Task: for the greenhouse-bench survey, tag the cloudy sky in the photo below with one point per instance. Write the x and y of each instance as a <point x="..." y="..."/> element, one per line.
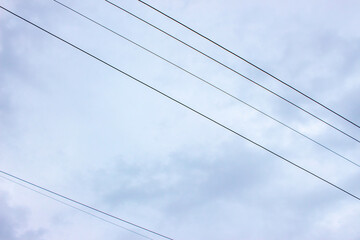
<point x="75" y="126"/>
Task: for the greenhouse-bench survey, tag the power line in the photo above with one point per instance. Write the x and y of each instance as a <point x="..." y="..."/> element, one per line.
<point x="70" y="199"/>
<point x="76" y="208"/>
<point x="180" y="103"/>
<point x="250" y="63"/>
<point x="236" y="72"/>
<point x="203" y="80"/>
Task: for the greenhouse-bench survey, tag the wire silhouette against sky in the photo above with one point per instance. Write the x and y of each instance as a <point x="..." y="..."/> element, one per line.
<point x="236" y="72"/>
<point x="207" y="82"/>
<point x="180" y="103"/>
<point x="80" y="203"/>
<point x="66" y="204"/>
<point x="250" y="63"/>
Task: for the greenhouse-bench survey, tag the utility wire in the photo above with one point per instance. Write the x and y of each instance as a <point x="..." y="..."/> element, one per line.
<point x="238" y="73"/>
<point x="69" y="205"/>
<point x="178" y="102"/>
<point x="250" y="63"/>
<point x="72" y="200"/>
<point x="203" y="80"/>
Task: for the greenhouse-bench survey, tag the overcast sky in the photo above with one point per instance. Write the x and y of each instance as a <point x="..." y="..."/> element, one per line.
<point x="72" y="124"/>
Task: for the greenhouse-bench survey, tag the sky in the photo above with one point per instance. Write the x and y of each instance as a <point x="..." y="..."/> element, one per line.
<point x="77" y="127"/>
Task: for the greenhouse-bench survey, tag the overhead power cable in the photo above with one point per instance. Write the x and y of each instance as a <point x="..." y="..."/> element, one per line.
<point x="182" y="104"/>
<point x="72" y="200"/>
<point x="250" y="63"/>
<point x="69" y="205"/>
<point x="236" y="72"/>
<point x="206" y="82"/>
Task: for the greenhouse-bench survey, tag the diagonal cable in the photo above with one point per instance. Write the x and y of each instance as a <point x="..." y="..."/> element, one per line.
<point x="69" y="205"/>
<point x="182" y="104"/>
<point x="250" y="63"/>
<point x="206" y="82"/>
<point x="80" y="203"/>
<point x="236" y="72"/>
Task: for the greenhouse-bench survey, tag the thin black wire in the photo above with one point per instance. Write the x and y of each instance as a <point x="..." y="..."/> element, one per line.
<point x="72" y="200"/>
<point x="203" y="80"/>
<point x="180" y="103"/>
<point x="250" y="63"/>
<point x="231" y="69"/>
<point x="76" y="208"/>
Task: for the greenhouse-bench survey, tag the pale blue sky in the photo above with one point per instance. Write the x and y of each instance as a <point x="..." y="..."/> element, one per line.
<point x="77" y="127"/>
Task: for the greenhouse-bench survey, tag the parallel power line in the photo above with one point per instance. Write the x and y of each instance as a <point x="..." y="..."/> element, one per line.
<point x="206" y="82"/>
<point x="236" y="72"/>
<point x="66" y="204"/>
<point x="250" y="63"/>
<point x="182" y="104"/>
<point x="78" y="202"/>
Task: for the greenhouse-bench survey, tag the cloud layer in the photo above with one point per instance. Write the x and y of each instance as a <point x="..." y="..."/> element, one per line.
<point x="75" y="126"/>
